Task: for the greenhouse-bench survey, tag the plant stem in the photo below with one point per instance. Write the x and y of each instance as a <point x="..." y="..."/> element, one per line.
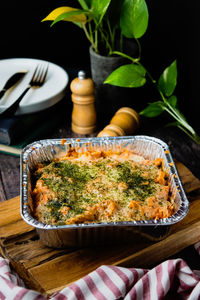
<point x="112" y="34"/>
<point x="83" y="4"/>
<point x="151" y="78"/>
<point x="104" y="37"/>
<point x="139" y="47"/>
<point x="194" y="136"/>
<point x="96" y="39"/>
<point x="134" y="60"/>
<point x="90" y="38"/>
<point x="178" y="117"/>
<point x="90" y="32"/>
<point x="121" y="42"/>
<point x="180" y="120"/>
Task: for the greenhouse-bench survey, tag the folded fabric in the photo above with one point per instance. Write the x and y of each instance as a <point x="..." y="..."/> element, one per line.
<point x="197" y="247"/>
<point x="172" y="278"/>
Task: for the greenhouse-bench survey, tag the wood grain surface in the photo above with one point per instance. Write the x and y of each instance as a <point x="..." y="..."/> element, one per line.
<point x="48" y="270"/>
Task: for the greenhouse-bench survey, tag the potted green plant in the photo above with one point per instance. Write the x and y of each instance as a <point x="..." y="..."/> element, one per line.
<point x="105" y="22"/>
<point x="111" y="26"/>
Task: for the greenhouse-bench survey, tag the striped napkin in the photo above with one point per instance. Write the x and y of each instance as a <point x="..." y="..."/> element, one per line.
<point x="172" y="279"/>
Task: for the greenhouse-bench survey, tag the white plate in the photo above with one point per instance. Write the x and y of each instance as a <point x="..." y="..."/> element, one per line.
<point x="36" y="99"/>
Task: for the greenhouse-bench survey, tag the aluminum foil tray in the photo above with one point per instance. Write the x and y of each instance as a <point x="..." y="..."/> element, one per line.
<point x="80" y="235"/>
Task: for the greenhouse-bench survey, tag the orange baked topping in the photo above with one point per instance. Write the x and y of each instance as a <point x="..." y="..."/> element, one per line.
<point x="101" y="186"/>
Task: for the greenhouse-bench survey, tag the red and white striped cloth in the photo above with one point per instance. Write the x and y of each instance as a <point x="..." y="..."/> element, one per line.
<point x="172" y="279"/>
<point x="197" y="247"/>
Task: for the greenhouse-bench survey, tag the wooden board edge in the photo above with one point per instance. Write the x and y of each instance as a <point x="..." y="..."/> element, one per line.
<point x="182" y="239"/>
<point x="146" y="257"/>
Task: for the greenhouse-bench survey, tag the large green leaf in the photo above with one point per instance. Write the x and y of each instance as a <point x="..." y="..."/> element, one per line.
<point x="134" y="18"/>
<point x="153" y="109"/>
<point x="99" y="8"/>
<point x="168" y="79"/>
<point x="131" y="75"/>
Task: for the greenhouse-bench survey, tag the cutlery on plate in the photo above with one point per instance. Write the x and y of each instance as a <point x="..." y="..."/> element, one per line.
<point x="37" y="80"/>
<point x="12" y="81"/>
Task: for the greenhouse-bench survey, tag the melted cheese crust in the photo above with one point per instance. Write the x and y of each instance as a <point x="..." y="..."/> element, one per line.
<point x="101" y="186"/>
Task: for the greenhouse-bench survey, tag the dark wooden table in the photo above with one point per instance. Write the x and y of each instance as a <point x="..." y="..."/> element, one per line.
<point x="182" y="148"/>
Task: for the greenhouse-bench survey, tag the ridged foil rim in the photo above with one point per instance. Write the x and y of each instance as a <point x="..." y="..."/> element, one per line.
<point x="178" y="216"/>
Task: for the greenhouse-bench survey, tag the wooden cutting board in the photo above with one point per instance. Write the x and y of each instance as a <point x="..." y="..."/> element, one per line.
<point x="49" y="270"/>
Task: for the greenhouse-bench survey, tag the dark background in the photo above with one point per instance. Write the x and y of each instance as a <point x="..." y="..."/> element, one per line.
<point x="173" y="33"/>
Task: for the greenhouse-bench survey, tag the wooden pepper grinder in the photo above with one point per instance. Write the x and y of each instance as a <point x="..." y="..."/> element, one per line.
<point x="83" y="113"/>
<point x="124" y="122"/>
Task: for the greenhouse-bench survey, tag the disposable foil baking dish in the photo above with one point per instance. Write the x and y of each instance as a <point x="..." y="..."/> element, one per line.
<point x="79" y="235"/>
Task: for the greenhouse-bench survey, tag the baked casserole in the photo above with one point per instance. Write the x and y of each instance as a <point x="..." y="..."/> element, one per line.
<point x="101" y="186"/>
